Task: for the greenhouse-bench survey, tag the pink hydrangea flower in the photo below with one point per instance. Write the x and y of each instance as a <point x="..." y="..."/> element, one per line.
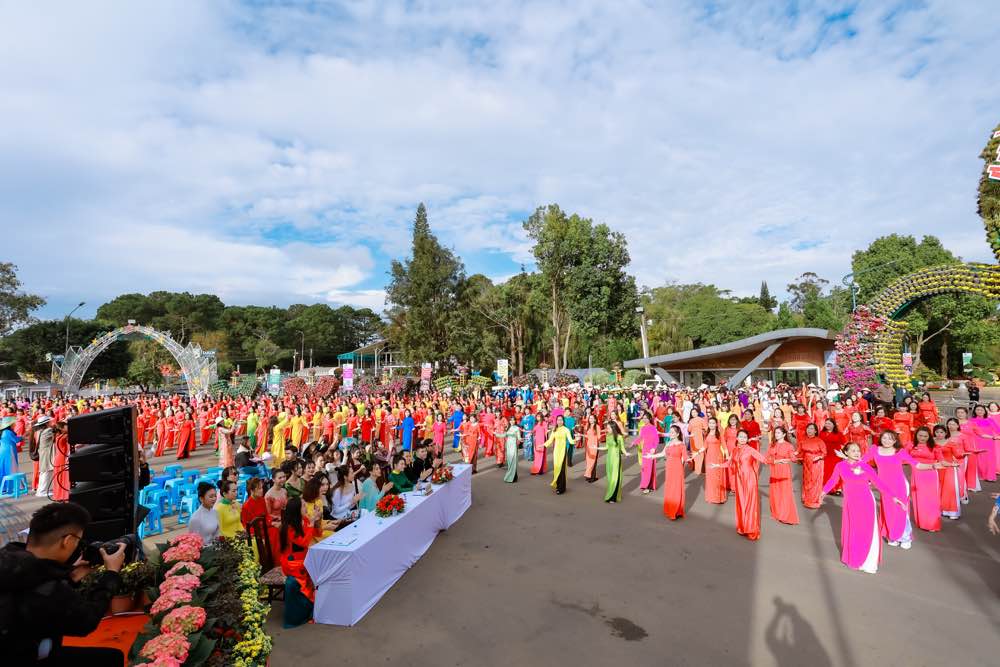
<point x="191" y="567"/>
<point x="184" y="582"/>
<point x="170" y="599"/>
<point x="167" y="645"/>
<point x="184" y="620"/>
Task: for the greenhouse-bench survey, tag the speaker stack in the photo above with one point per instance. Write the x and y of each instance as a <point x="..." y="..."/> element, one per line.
<point x="104" y="470"/>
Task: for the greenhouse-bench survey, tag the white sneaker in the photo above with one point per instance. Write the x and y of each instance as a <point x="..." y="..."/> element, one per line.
<point x="893" y="544"/>
<point x="870" y="571"/>
<point x="905" y="545"/>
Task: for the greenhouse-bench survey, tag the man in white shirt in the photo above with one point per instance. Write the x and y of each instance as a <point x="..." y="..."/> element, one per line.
<point x="204" y="520"/>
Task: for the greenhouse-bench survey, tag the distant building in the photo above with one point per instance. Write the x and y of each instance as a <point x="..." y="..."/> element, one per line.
<point x="28" y="390"/>
<point x="373" y="358"/>
<point x="792" y="356"/>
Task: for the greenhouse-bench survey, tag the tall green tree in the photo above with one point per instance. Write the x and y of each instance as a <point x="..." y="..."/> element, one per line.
<point x="583" y="265"/>
<point x="423" y="295"/>
<point x="766" y="301"/>
<point x="16" y="305"/>
<point x="25" y="349"/>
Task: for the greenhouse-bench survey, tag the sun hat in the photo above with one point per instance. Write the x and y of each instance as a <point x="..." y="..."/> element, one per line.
<point x="6" y="422"/>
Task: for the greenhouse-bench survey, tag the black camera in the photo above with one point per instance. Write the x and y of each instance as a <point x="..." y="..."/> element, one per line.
<point x="92" y="553"/>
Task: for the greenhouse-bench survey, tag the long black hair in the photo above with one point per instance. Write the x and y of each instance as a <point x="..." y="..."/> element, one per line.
<point x="291" y="518"/>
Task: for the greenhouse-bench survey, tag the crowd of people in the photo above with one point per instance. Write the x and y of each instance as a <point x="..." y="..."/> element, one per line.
<point x="318" y="463"/>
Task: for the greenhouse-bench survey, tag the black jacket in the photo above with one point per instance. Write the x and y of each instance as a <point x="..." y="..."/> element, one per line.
<point x="38" y="601"/>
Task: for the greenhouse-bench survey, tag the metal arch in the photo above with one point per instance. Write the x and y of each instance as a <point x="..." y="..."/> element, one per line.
<point x="199" y="368"/>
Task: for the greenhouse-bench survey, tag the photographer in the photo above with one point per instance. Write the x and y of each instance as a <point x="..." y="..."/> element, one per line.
<point x="39" y="603"/>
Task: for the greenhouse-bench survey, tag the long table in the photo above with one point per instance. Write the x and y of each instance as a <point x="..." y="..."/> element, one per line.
<point x="353" y="568"/>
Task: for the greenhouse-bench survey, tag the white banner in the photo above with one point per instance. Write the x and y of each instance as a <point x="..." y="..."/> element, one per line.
<point x="348" y="376"/>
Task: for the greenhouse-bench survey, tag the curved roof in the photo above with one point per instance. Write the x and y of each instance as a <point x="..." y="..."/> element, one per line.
<point x="751" y="344"/>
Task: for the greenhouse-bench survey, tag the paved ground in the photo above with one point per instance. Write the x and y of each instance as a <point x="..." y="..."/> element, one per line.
<point x="529" y="578"/>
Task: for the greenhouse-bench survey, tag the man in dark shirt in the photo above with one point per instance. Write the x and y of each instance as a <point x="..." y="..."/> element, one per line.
<point x="419" y="467"/>
<point x="39" y="603"/>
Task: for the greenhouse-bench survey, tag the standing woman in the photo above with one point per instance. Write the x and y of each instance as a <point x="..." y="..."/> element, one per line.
<point x="715" y="453"/>
<point x="592" y="438"/>
<point x="185" y="436"/>
<point x="925" y="483"/>
<point x="894" y="518"/>
<point x="696" y="436"/>
<point x="673" y="479"/>
<point x="511" y="437"/>
<point x="614" y="445"/>
<point x="903" y="423"/>
<point x="438" y="431"/>
<point x="406" y="427"/>
<point x="470" y="440"/>
<point x="561" y="438"/>
<point x="781" y="495"/>
<point x="278" y="440"/>
<point x="298" y="425"/>
<point x="972" y="451"/>
<point x="812" y="451"/>
<point x="648" y="440"/>
<point x="860" y="546"/>
<point x="538" y="438"/>
<point x="948" y="474"/>
<point x="60" y="463"/>
<point x="747" y="492"/>
<point x="986" y="433"/>
<point x="834" y="441"/>
<point x="858" y="432"/>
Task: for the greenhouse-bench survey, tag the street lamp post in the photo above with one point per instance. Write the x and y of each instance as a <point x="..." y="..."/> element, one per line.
<point x="848" y="280"/>
<point x="645" y="340"/>
<point x="302" y="353"/>
<point x="78" y="307"/>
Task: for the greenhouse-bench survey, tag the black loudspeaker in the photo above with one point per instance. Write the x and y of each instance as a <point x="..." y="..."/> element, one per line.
<point x="104" y="470"/>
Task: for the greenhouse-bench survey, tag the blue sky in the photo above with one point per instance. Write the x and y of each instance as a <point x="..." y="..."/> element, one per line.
<point x="274" y="152"/>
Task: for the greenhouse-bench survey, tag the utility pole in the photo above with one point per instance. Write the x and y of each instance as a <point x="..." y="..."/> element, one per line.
<point x="295" y="357"/>
<point x="66" y="350"/>
<point x="302" y="354"/>
<point x="645" y="340"/>
<point x="310" y="357"/>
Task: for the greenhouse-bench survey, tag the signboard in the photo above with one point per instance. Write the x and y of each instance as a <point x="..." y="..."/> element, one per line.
<point x="425" y="376"/>
<point x="908" y="360"/>
<point x="348" y="376"/>
<point x="274" y="381"/>
<point x="502" y="370"/>
<point x="966" y="360"/>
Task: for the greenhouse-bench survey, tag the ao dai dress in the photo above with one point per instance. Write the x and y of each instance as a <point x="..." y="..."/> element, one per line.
<point x="745" y="476"/>
<point x="925" y="486"/>
<point x="511" y="436"/>
<point x="894" y="521"/>
<point x="673" y="481"/>
<point x="782" y="496"/>
<point x="715" y="478"/>
<point x="861" y="548"/>
<point x="561" y="438"/>
<point x="615" y="445"/>
<point x="811" y="449"/>
<point x="648" y="439"/>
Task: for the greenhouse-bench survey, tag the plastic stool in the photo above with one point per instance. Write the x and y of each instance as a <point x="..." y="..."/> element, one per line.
<point x="174" y="470"/>
<point x="173" y="487"/>
<point x="15" y="485"/>
<point x="241" y="491"/>
<point x="153" y="495"/>
<point x="187" y="507"/>
<point x="214" y="481"/>
<point x="215" y="472"/>
<point x="190" y="475"/>
<point x="160" y="480"/>
<point x="153" y="523"/>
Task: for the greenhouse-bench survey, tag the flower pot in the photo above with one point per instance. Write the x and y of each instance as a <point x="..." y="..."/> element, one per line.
<point x="122" y="604"/>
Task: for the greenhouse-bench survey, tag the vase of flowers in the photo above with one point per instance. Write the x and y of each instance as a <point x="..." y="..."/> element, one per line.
<point x="442" y="475"/>
<point x="390" y="505"/>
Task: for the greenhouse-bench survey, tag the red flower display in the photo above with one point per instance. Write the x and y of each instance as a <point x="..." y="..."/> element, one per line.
<point x="389" y="505"/>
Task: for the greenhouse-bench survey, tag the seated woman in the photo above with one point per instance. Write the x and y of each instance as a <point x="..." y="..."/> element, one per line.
<point x="400" y="482"/>
<point x="314" y="506"/>
<point x="294" y="538"/>
<point x="295" y="483"/>
<point x="374" y="487"/>
<point x="204" y="520"/>
<point x="345" y="495"/>
<point x="254" y="507"/>
<point x="228" y="509"/>
<point x="276" y="497"/>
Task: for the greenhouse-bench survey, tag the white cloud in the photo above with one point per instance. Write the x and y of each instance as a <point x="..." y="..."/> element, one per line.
<point x="215" y="130"/>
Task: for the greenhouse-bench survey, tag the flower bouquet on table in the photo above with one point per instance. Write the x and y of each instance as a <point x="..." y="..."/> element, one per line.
<point x="442" y="475"/>
<point x="389" y="505"/>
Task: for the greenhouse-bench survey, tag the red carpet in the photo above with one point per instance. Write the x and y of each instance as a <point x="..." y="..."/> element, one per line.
<point x="114" y="632"/>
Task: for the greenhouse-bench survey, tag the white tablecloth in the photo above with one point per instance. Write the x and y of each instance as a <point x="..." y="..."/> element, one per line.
<point x="353" y="568"/>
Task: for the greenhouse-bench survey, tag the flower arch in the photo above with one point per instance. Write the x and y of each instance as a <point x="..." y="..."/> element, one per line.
<point x="869" y="349"/>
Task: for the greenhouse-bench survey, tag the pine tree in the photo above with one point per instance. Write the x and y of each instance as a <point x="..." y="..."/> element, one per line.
<point x="423" y="294"/>
<point x="766" y="301"/>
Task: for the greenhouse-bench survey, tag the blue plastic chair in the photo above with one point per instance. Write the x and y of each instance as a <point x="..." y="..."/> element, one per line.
<point x="187" y="507"/>
<point x="154" y="495"/>
<point x="153" y="523"/>
<point x="15" y="485"/>
<point x="190" y="475"/>
<point x="215" y="472"/>
<point x="173" y="487"/>
<point x="249" y="471"/>
<point x="160" y="480"/>
<point x="174" y="470"/>
<point x="241" y="490"/>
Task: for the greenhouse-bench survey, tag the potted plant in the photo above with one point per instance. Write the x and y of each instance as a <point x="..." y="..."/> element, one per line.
<point x="136" y="578"/>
